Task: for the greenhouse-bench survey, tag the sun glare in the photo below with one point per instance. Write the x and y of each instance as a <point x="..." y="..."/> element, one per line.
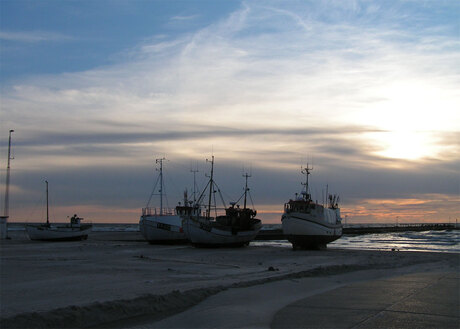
<point x="406" y="145"/>
<point x="411" y="114"/>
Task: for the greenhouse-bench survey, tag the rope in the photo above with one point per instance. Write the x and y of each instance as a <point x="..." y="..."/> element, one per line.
<point x="250" y="198"/>
<point x="153" y="191"/>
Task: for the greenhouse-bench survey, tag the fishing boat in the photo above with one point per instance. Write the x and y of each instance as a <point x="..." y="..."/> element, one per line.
<point x="236" y="227"/>
<point x="75" y="230"/>
<point x="308" y="224"/>
<point x="163" y="225"/>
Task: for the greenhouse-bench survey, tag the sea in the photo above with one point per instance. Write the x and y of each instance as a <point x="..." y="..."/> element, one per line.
<point x="426" y="241"/>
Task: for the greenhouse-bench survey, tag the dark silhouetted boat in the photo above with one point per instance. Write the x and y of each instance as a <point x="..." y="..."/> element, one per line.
<point x="59" y="232"/>
<point x="236" y="227"/>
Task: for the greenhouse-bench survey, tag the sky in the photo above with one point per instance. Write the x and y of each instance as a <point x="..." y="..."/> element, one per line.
<point x="367" y="92"/>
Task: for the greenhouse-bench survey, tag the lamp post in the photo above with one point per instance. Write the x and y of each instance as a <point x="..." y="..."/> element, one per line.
<point x="4" y="218"/>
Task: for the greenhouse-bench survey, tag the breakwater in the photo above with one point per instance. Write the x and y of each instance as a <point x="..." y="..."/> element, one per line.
<point x="277" y="234"/>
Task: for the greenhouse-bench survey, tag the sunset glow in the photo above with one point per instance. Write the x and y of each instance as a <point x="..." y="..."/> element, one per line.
<point x="367" y="92"/>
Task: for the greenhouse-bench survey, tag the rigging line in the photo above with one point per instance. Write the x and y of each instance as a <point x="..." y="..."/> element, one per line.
<point x="203" y="193"/>
<point x="165" y="195"/>
<point x="221" y="197"/>
<point x="197" y="189"/>
<point x="163" y="188"/>
<point x="220" y="193"/>
<point x="153" y="191"/>
<point x="215" y="204"/>
<point x="176" y="173"/>
<point x="228" y="196"/>
<point x="196" y="186"/>
<point x="250" y="198"/>
<point x="240" y="198"/>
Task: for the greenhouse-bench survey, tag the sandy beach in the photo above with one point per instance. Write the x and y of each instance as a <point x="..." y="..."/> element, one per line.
<point x="117" y="280"/>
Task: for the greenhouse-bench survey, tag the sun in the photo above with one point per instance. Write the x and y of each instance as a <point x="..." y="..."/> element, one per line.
<point x="408" y="145"/>
<point x="409" y="120"/>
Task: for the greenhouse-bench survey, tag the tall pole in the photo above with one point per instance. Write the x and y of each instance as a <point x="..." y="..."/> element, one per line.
<point x="7" y="188"/>
<point x="160" y="161"/>
<point x="47" y="205"/>
<point x="208" y="215"/>
<point x="194" y="171"/>
<point x="246" y="188"/>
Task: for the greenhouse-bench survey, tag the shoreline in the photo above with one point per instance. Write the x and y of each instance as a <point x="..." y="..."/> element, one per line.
<point x="115" y="277"/>
<point x="269" y="233"/>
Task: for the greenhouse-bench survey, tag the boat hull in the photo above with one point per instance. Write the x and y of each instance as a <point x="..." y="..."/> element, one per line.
<point x="305" y="231"/>
<point x="204" y="234"/>
<point x="57" y="233"/>
<point x="162" y="229"/>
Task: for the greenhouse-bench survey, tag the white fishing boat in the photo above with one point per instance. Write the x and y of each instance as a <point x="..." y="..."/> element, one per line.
<point x="59" y="232"/>
<point x="308" y="224"/>
<point x="236" y="227"/>
<point x="162" y="225"/>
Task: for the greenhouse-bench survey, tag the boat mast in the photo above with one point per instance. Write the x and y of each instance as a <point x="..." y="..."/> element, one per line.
<point x="160" y="161"/>
<point x="246" y="188"/>
<point x="194" y="171"/>
<point x="306" y="172"/>
<point x="47" y="205"/>
<point x="7" y="188"/>
<point x="208" y="212"/>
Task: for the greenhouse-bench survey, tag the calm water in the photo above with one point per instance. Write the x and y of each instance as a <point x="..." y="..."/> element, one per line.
<point x="434" y="241"/>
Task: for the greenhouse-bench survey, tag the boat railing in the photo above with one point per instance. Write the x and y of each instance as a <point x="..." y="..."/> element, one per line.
<point x="215" y="212"/>
<point x="154" y="211"/>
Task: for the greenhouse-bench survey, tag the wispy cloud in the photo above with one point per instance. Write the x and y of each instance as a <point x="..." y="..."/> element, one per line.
<point x="184" y="18"/>
<point x="415" y="209"/>
<point x="33" y="36"/>
<point x="276" y="76"/>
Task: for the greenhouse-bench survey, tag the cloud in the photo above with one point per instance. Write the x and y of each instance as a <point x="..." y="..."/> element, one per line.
<point x="33" y="36"/>
<point x="325" y="75"/>
<point x="184" y="18"/>
<point x="348" y="84"/>
<point x="366" y="194"/>
<point x="416" y="209"/>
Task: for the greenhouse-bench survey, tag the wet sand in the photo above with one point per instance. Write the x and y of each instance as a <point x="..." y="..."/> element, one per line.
<point x="116" y="280"/>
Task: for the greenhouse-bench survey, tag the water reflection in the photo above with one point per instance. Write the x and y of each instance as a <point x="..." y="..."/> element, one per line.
<point x="434" y="241"/>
